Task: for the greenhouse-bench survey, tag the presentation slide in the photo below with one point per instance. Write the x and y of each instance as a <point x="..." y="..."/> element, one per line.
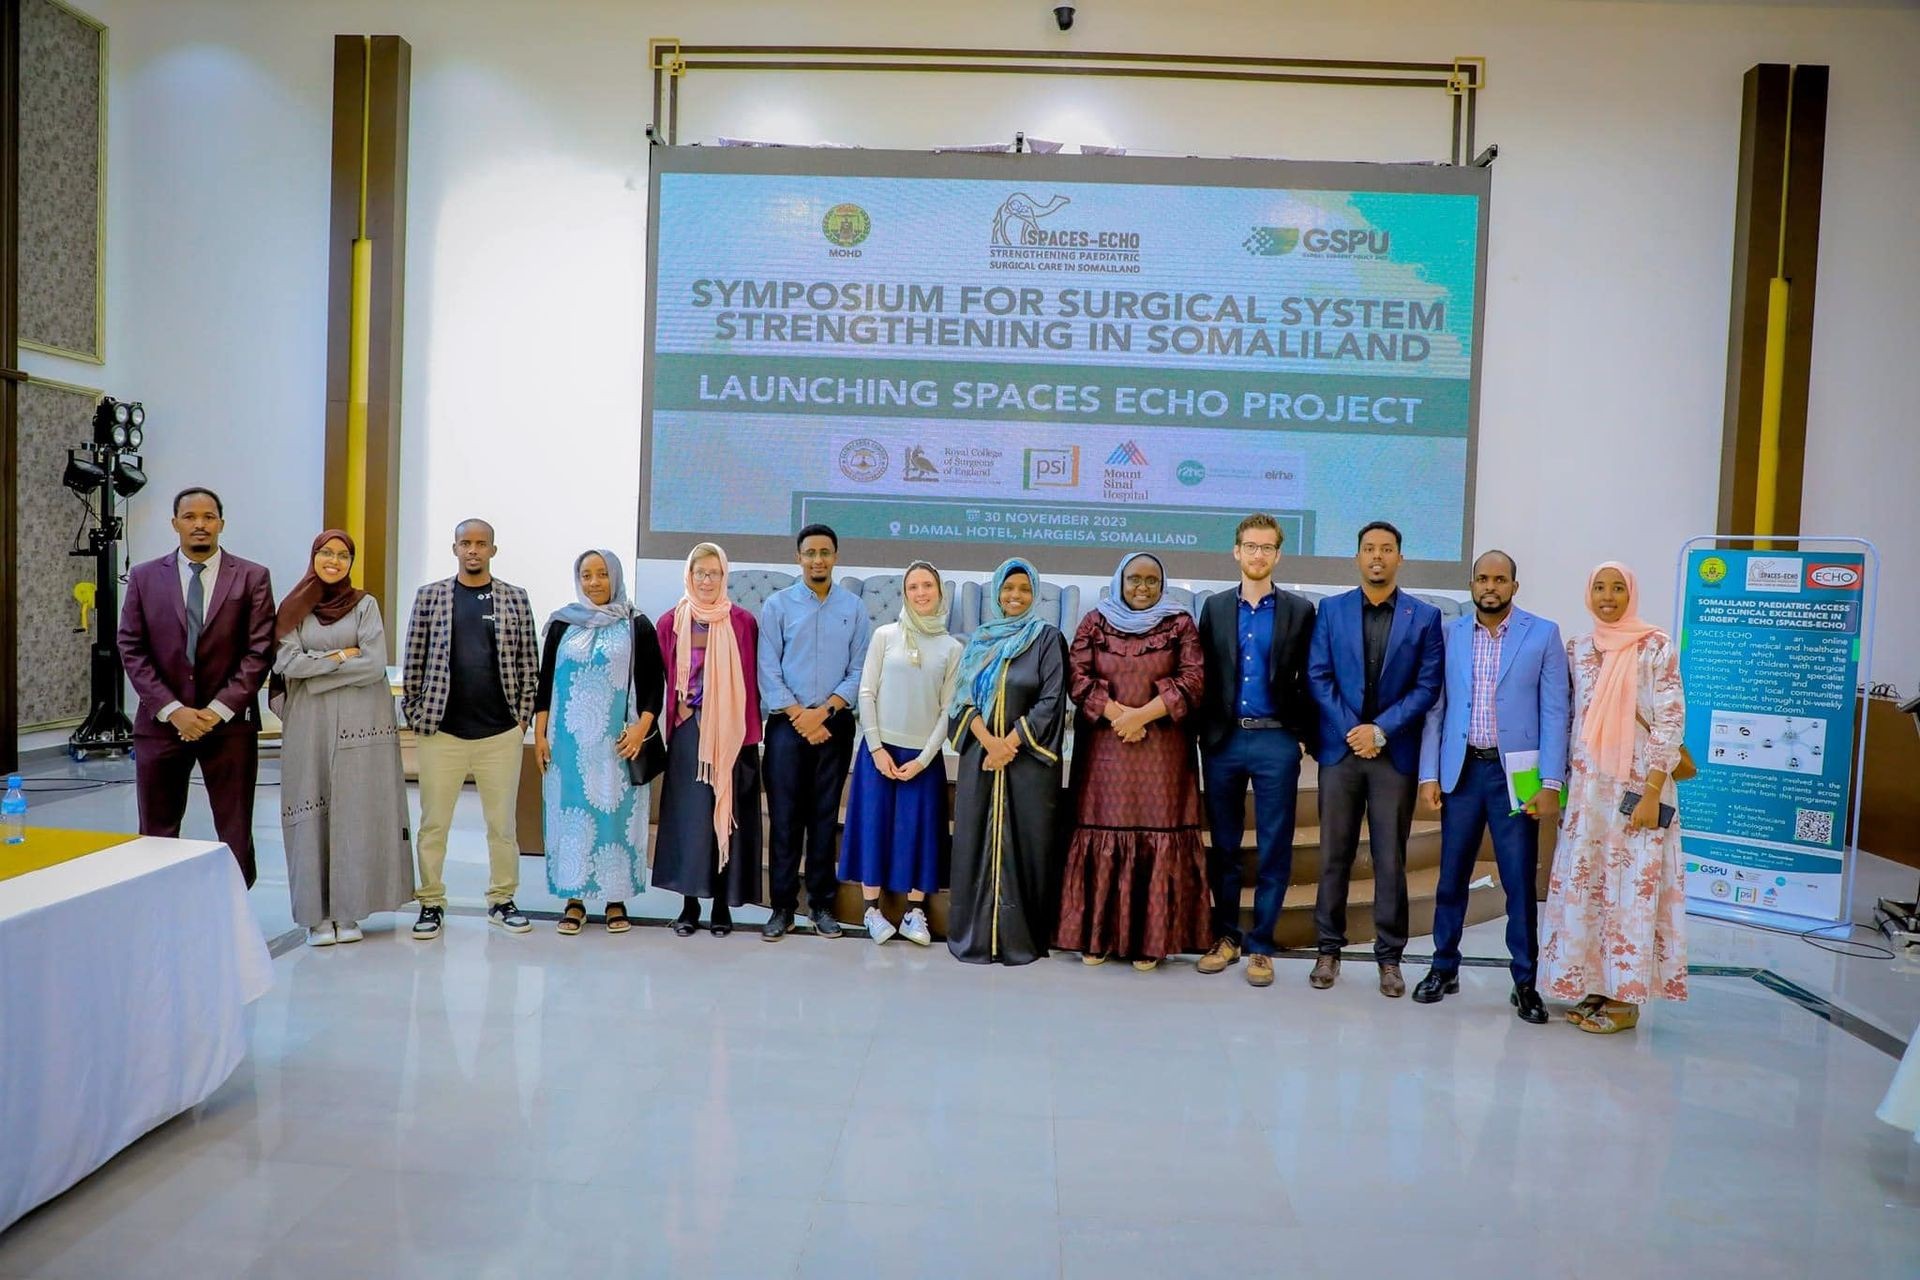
<point x="971" y="356"/>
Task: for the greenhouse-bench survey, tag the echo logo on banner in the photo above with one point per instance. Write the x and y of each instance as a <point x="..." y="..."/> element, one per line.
<point x="1834" y="577"/>
<point x="1052" y="468"/>
<point x="1779" y="575"/>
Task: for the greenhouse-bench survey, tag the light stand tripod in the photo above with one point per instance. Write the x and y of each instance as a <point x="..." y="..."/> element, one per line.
<point x="108" y="465"/>
<point x="106" y="730"/>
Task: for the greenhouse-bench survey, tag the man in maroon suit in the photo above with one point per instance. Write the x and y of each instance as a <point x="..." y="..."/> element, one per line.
<point x="196" y="638"/>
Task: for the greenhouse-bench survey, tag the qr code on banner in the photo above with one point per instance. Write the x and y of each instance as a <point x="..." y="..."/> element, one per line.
<point x="1813" y="826"/>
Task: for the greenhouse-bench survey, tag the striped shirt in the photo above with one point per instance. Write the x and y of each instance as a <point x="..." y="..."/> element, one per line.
<point x="1482" y="728"/>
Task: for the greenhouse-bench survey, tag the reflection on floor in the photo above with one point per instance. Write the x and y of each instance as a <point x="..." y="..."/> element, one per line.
<point x="489" y="1105"/>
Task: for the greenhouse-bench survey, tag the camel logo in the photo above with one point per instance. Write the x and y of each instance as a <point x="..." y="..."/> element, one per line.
<point x="1017" y="221"/>
<point x="917" y="467"/>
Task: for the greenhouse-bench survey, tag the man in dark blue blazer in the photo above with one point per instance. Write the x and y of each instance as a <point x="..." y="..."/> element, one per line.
<point x="1506" y="691"/>
<point x="1374" y="668"/>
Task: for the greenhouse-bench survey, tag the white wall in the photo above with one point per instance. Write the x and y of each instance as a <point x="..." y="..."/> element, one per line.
<point x="1608" y="280"/>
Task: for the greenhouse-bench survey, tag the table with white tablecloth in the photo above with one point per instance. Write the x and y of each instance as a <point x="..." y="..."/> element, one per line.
<point x="124" y="980"/>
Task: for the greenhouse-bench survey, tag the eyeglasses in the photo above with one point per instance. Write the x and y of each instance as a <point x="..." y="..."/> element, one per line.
<point x="707" y="575"/>
<point x="817" y="555"/>
<point x="1133" y="581"/>
<point x="1259" y="548"/>
<point x="336" y="557"/>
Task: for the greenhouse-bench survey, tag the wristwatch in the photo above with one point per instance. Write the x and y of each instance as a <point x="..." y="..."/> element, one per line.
<point x="1379" y="738"/>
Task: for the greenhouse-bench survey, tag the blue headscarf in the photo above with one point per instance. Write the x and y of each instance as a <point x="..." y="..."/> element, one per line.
<point x="584" y="612"/>
<point x="1122" y="617"/>
<point x="997" y="641"/>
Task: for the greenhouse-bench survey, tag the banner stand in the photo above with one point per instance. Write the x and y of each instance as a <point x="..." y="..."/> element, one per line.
<point x="1775" y="639"/>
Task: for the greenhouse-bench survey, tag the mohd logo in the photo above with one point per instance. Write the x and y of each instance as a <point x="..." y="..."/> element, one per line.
<point x="1127" y="455"/>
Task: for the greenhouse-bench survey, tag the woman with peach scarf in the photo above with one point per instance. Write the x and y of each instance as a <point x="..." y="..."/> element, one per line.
<point x="709" y="840"/>
<point x="1614" y="928"/>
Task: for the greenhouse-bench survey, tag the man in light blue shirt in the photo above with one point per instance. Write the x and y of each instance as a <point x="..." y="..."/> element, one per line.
<point x="813" y="642"/>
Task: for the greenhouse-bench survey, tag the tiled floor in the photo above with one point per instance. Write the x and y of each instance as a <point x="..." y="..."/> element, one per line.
<point x="495" y="1106"/>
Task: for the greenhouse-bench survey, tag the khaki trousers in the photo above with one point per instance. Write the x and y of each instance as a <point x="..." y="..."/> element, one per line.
<point x="445" y="764"/>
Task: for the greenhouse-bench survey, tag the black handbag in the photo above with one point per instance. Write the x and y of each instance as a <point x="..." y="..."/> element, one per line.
<point x="652" y="760"/>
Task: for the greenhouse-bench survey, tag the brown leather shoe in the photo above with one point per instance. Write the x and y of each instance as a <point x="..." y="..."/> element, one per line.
<point x="1392" y="985"/>
<point x="1259" y="971"/>
<point x="1223" y="953"/>
<point x="1325" y="970"/>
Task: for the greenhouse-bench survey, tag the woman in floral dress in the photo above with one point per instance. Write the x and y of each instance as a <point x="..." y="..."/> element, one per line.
<point x="601" y="681"/>
<point x="1614" y="927"/>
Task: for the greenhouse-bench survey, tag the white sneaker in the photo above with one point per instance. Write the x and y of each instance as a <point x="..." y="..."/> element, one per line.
<point x="877" y="927"/>
<point x="322" y="935"/>
<point x="914" y="928"/>
<point x="348" y="932"/>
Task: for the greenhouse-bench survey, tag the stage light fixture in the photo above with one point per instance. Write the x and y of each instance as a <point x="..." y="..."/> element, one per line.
<point x="128" y="476"/>
<point x="83" y="475"/>
<point x="110" y="466"/>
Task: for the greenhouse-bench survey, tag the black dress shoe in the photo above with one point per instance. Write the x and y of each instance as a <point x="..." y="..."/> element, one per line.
<point x="825" y="925"/>
<point x="776" y="926"/>
<point x="684" y="928"/>
<point x="1528" y="1003"/>
<point x="721" y="927"/>
<point x="1435" y="986"/>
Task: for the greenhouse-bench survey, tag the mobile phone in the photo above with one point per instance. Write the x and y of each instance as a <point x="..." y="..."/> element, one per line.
<point x="1631" y="801"/>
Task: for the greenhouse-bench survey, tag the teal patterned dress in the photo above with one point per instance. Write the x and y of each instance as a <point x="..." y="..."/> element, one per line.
<point x="596" y="819"/>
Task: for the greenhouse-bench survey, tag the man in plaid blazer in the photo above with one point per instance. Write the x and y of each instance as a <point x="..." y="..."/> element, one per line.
<point x="472" y="667"/>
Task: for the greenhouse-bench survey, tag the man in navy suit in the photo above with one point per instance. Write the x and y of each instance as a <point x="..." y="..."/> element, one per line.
<point x="1374" y="668"/>
<point x="196" y="639"/>
<point x="1506" y="690"/>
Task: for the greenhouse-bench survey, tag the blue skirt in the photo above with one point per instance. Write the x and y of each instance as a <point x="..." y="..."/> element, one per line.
<point x="897" y="834"/>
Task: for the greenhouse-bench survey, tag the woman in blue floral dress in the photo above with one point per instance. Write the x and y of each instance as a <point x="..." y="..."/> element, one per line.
<point x="601" y="681"/>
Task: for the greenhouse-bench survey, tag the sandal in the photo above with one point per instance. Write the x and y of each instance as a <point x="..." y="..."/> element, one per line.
<point x="618" y="923"/>
<point x="1579" y="1012"/>
<point x="571" y="919"/>
<point x="1611" y="1017"/>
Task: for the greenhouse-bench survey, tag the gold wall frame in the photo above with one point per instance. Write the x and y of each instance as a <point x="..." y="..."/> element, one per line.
<point x="98" y="355"/>
<point x="1459" y="79"/>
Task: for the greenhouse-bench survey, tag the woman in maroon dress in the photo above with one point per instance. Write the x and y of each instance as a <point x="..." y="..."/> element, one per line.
<point x="1136" y="878"/>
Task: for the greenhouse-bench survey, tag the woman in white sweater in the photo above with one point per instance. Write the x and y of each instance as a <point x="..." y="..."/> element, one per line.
<point x="896" y="836"/>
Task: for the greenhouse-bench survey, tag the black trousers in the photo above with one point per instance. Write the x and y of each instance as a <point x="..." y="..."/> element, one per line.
<point x="803" y="806"/>
<point x="1373" y="789"/>
<point x="230" y="763"/>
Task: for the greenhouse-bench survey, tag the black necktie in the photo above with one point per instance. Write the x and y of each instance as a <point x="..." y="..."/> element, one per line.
<point x="196" y="608"/>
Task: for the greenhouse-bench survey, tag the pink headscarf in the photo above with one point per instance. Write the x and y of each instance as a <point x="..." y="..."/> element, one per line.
<point x="723" y="721"/>
<point x="1609" y="728"/>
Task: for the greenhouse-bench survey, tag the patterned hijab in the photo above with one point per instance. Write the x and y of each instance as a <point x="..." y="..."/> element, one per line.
<point x="584" y="612"/>
<point x="1126" y="619"/>
<point x="914" y="626"/>
<point x="1609" y="727"/>
<point x="997" y="641"/>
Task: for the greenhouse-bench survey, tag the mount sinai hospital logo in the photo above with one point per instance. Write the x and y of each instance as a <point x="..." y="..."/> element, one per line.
<point x="1127" y="455"/>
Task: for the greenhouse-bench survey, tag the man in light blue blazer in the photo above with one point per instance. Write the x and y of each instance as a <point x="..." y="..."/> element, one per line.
<point x="1374" y="669"/>
<point x="1506" y="690"/>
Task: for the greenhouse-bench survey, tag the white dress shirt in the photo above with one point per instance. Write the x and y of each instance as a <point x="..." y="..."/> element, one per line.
<point x="208" y="576"/>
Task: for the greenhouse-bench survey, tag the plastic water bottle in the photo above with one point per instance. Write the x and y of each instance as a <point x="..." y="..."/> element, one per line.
<point x="13" y="812"/>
